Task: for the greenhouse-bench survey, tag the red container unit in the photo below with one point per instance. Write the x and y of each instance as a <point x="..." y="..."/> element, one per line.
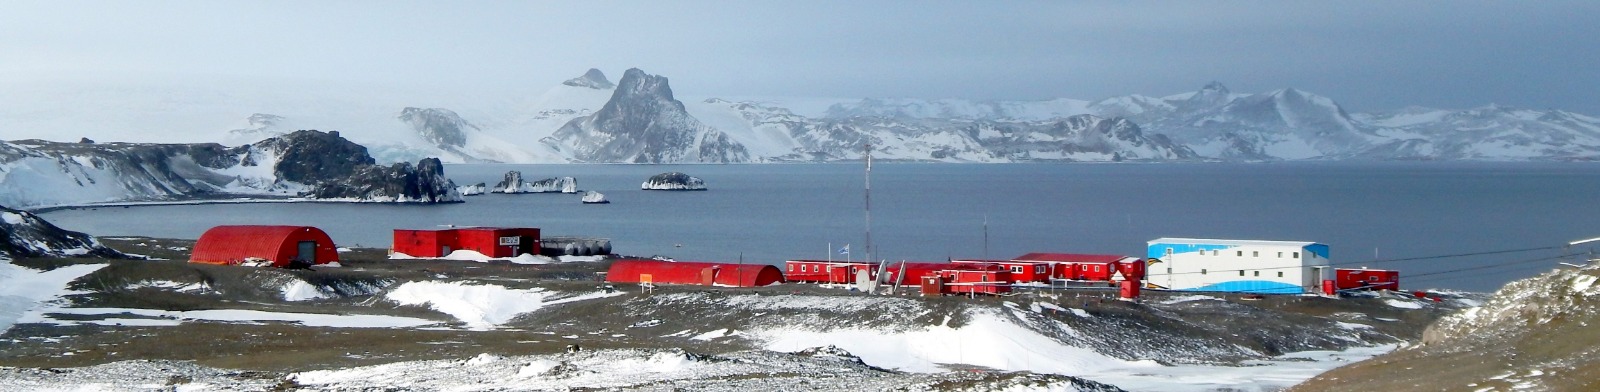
<point x="490" y="241"/>
<point x="1366" y="279"/>
<point x="823" y="271"/>
<point x="1021" y="271"/>
<point x="966" y="281"/>
<point x="231" y="245"/>
<point x="693" y="273"/>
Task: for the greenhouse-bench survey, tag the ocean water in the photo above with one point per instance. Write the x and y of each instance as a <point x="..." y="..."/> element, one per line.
<point x="1369" y="213"/>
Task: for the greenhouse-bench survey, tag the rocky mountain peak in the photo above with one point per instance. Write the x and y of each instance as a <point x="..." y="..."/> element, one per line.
<point x="593" y="79"/>
<point x="643" y="123"/>
<point x="1212" y="95"/>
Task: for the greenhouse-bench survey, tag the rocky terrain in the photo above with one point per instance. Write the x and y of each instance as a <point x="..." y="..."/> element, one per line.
<point x="1534" y="334"/>
<point x="307" y="163"/>
<point x="484" y="326"/>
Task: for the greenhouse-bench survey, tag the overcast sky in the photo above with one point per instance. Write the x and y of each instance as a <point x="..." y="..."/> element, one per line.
<point x="1374" y="55"/>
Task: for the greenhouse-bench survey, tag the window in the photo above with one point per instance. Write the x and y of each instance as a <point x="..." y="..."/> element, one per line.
<point x="805" y="268"/>
<point x="791" y="267"/>
<point x="1255" y="253"/>
<point x="1241" y="253"/>
<point x="1258" y="273"/>
<point x="1280" y="274"/>
<point x="1280" y="255"/>
<point x="984" y="278"/>
<point x="1215" y="252"/>
<point x="1169" y="270"/>
<point x="1202" y="271"/>
<point x="1016" y="269"/>
<point x="1169" y="251"/>
<point x="1296" y="255"/>
<point x="1241" y="272"/>
<point x="1097" y="268"/>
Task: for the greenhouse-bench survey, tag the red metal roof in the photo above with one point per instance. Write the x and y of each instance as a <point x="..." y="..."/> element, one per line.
<point x="689" y="272"/>
<point x="1071" y="257"/>
<point x="280" y="244"/>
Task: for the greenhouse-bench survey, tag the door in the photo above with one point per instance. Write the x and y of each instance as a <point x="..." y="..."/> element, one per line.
<point x="307" y="252"/>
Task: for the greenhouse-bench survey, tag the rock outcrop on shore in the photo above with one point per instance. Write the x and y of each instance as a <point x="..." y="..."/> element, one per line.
<point x="23" y="234"/>
<point x="673" y="181"/>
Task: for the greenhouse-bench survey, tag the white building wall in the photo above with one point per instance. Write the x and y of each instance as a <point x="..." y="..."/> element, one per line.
<point x="1234" y="265"/>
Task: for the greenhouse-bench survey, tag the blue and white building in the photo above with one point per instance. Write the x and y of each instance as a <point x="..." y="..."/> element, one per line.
<point x="1266" y="267"/>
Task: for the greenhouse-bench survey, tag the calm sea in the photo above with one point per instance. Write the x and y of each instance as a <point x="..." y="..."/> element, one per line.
<point x="1366" y="212"/>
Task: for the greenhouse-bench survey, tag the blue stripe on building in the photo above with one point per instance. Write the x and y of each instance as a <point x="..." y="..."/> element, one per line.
<point x="1159" y="250"/>
<point x="1252" y="286"/>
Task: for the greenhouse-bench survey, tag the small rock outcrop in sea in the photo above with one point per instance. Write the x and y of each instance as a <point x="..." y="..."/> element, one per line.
<point x="513" y="183"/>
<point x="23" y="234"/>
<point x="673" y="181"/>
<point x="473" y="190"/>
<point x="594" y="198"/>
<point x="402" y="182"/>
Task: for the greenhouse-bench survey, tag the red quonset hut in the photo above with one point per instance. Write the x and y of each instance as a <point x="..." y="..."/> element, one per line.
<point x="231" y="245"/>
<point x="823" y="271"/>
<point x="490" y="241"/>
<point x="1074" y="266"/>
<point x="693" y="273"/>
<point x="1366" y="279"/>
<point x="1021" y="271"/>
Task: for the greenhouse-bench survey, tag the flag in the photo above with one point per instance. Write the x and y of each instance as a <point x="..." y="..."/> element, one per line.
<point x="845" y="250"/>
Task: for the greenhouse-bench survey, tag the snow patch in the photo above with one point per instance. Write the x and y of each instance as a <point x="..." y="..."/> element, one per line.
<point x="481" y="307"/>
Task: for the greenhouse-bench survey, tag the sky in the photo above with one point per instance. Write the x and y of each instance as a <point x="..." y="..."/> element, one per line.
<point x="1367" y="55"/>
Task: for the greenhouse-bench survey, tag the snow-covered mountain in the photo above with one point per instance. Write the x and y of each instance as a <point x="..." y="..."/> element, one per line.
<point x="307" y="163"/>
<point x="1290" y="124"/>
<point x="643" y="122"/>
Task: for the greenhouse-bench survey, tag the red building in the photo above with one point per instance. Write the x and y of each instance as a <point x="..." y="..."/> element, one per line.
<point x="231" y="245"/>
<point x="693" y="273"/>
<point x="823" y="271"/>
<point x="915" y="271"/>
<point x="964" y="281"/>
<point x="490" y="241"/>
<point x="1366" y="279"/>
<point x="1021" y="271"/>
<point x="1073" y="266"/>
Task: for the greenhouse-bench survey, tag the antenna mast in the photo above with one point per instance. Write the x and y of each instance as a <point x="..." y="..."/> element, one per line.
<point x="870" y="255"/>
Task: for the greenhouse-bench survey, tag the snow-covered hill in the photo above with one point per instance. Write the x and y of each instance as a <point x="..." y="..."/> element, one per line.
<point x="324" y="165"/>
